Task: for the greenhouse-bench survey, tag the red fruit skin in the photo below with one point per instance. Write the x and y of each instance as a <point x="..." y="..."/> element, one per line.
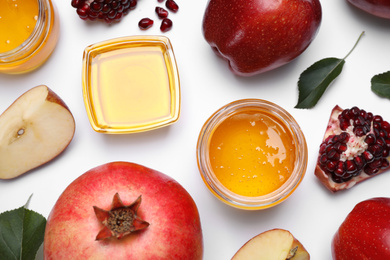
<point x="325" y="179"/>
<point x="379" y="8"/>
<point x="365" y="233"/>
<point x="258" y="36"/>
<point x="174" y="232"/>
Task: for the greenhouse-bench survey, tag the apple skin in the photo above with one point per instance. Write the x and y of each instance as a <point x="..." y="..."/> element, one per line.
<point x="174" y="232"/>
<point x="256" y="36"/>
<point x="365" y="233"/>
<point x="379" y="8"/>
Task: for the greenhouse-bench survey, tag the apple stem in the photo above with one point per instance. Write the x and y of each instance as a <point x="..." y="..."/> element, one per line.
<point x="354" y="45"/>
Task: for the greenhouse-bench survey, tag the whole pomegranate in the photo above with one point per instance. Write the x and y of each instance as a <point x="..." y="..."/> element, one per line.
<point x="122" y="210"/>
<point x="356" y="146"/>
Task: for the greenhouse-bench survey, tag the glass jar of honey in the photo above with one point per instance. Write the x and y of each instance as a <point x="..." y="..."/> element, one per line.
<point x="252" y="154"/>
<point x="29" y="33"/>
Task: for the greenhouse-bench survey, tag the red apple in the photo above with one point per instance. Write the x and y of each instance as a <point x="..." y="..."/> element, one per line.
<point x="257" y="36"/>
<point x="365" y="233"/>
<point x="122" y="210"/>
<point x="380" y="8"/>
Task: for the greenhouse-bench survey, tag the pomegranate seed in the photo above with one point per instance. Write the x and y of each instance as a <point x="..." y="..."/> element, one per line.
<point x="344" y="124"/>
<point x="355" y="111"/>
<point x="166" y="25"/>
<point x="171" y="5"/>
<point x="370" y="171"/>
<point x="368" y="156"/>
<point x="333" y="155"/>
<point x="331" y="166"/>
<point x="376" y="164"/>
<point x="360" y="162"/>
<point x="133" y="4"/>
<point x="323" y="159"/>
<point x="161" y="12"/>
<point x="145" y="23"/>
<point x="378" y="119"/>
<point x="370" y="139"/>
<point x="75" y="3"/>
<point x="385" y="125"/>
<point x="340" y="169"/>
<point x="95" y="6"/>
<point x="351" y="166"/>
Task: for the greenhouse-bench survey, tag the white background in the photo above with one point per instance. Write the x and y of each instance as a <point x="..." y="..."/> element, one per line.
<point x="312" y="213"/>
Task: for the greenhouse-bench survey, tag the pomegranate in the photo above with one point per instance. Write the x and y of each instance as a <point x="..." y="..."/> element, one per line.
<point x="105" y="10"/>
<point x="122" y="210"/>
<point x="355" y="147"/>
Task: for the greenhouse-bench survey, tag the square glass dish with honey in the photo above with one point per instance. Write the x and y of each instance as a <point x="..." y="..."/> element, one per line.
<point x="131" y="84"/>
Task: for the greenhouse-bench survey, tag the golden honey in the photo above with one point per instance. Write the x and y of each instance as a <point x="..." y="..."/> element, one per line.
<point x="29" y="33"/>
<point x="131" y="84"/>
<point x="251" y="154"/>
<point x="17" y="21"/>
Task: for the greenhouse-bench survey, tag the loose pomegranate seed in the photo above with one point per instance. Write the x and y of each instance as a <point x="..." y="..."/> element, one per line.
<point x="171" y="5"/>
<point x="166" y="25"/>
<point x="145" y="23"/>
<point x="161" y="12"/>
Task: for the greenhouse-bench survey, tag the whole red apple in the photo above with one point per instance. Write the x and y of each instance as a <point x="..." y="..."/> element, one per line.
<point x="122" y="210"/>
<point x="256" y="36"/>
<point x="365" y="233"/>
<point x="380" y="8"/>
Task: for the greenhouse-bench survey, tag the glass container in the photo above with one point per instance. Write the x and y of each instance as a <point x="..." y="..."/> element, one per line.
<point x="131" y="84"/>
<point x="252" y="154"/>
<point x="19" y="17"/>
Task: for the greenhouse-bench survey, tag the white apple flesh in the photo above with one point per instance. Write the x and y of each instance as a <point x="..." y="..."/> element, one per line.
<point x="34" y="129"/>
<point x="275" y="244"/>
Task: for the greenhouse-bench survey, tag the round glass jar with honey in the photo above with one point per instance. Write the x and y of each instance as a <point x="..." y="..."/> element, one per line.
<point x="252" y="154"/>
<point x="29" y="33"/>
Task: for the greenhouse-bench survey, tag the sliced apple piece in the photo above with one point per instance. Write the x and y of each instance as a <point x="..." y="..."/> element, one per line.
<point x="34" y="129"/>
<point x="275" y="244"/>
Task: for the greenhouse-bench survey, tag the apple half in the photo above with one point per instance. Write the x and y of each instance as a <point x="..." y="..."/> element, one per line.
<point x="34" y="129"/>
<point x="275" y="244"/>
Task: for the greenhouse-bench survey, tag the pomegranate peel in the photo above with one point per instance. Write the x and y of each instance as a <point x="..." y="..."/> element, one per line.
<point x="355" y="147"/>
<point x="120" y="220"/>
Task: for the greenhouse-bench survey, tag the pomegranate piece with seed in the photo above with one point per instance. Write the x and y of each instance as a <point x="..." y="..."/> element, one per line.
<point x="356" y="146"/>
<point x="106" y="10"/>
<point x="166" y="25"/>
<point x="171" y="5"/>
<point x="145" y="23"/>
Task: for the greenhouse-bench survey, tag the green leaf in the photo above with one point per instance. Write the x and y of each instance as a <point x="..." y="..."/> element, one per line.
<point x="380" y="84"/>
<point x="21" y="233"/>
<point x="315" y="80"/>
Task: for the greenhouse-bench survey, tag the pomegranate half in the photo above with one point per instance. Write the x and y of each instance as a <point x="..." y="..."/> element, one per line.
<point x="355" y="147"/>
<point x="122" y="210"/>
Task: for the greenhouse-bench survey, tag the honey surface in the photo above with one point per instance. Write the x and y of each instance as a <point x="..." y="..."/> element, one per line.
<point x="131" y="87"/>
<point x="252" y="153"/>
<point x="17" y="22"/>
